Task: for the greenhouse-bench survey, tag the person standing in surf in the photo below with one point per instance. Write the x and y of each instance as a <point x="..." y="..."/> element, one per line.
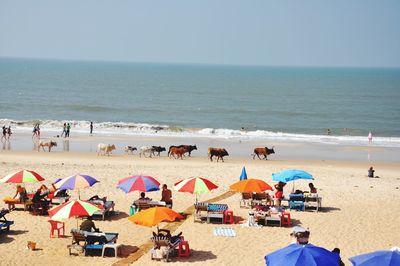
<point x="370" y="137"/>
<point x="91" y="128"/>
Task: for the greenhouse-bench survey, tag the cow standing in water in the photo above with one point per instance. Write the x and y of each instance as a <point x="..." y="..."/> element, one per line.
<point x="217" y="152"/>
<point x="263" y="151"/>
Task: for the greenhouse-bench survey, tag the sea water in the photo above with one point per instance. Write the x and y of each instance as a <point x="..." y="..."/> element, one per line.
<point x="244" y="102"/>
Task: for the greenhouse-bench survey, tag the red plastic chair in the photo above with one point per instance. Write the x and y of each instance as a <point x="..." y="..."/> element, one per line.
<point x="56" y="226"/>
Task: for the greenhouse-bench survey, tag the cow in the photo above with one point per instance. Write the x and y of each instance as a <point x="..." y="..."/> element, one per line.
<point x="105" y="149"/>
<point x="158" y="149"/>
<point x="47" y="143"/>
<point x="146" y="150"/>
<point x="129" y="149"/>
<point x="217" y="152"/>
<point x="177" y="152"/>
<point x="263" y="151"/>
<point x="189" y="148"/>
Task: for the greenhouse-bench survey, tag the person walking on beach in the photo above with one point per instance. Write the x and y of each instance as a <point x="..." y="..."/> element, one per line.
<point x="370" y="138"/>
<point x="36" y="131"/>
<point x="64" y="132"/>
<point x="8" y="133"/>
<point x="4" y="133"/>
<point x="91" y="128"/>
<point x="68" y="130"/>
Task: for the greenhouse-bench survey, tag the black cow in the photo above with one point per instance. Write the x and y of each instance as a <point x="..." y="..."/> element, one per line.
<point x="217" y="152"/>
<point x="157" y="149"/>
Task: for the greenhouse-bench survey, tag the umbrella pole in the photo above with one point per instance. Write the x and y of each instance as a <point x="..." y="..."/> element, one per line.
<point x="293" y="187"/>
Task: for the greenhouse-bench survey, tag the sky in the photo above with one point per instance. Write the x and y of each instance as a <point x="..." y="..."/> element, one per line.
<point x="350" y="33"/>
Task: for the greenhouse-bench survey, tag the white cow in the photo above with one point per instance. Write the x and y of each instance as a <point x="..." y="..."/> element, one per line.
<point x="105" y="149"/>
<point x="146" y="150"/>
<point x="46" y="143"/>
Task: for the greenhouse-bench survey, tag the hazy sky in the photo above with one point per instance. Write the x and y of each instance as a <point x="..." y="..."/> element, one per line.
<point x="307" y="32"/>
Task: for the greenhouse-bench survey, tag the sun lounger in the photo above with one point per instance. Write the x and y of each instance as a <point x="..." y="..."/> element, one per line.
<point x="296" y="202"/>
<point x="261" y="198"/>
<point x="247" y="200"/>
<point x="105" y="207"/>
<point x="313" y="201"/>
<point x="163" y="247"/>
<point x="11" y="202"/>
<point x="216" y="211"/>
<point x="4" y="223"/>
<point x="199" y="208"/>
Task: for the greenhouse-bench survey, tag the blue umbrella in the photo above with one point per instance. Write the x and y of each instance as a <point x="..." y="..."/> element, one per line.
<point x="243" y="175"/>
<point x="291" y="175"/>
<point x="382" y="258"/>
<point x="295" y="254"/>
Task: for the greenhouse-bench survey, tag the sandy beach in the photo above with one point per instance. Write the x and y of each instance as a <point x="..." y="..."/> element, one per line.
<point x="359" y="214"/>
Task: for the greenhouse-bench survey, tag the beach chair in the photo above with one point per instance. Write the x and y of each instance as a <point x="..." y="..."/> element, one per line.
<point x="261" y="198"/>
<point x="199" y="208"/>
<point x="296" y="202"/>
<point x="97" y="241"/>
<point x="312" y="200"/>
<point x="246" y="200"/>
<point x="4" y="223"/>
<point x="56" y="226"/>
<point x="106" y="207"/>
<point x="163" y="247"/>
<point x="216" y="211"/>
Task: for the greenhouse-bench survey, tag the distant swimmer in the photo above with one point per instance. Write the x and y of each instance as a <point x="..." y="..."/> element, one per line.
<point x="328" y="132"/>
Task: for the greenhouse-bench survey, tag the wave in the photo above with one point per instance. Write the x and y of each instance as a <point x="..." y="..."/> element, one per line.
<point x="143" y="129"/>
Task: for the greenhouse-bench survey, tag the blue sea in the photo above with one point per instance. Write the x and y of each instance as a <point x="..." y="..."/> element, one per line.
<point x="248" y="102"/>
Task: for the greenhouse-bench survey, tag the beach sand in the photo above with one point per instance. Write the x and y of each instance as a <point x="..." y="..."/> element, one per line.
<point x="359" y="214"/>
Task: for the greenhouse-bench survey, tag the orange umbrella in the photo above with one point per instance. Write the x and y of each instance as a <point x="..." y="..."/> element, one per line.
<point x="154" y="216"/>
<point x="251" y="185"/>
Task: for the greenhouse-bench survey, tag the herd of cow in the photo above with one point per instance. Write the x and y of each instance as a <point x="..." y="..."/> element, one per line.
<point x="178" y="152"/>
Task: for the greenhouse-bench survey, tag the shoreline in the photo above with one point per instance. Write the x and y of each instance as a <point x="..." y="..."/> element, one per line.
<point x="284" y="150"/>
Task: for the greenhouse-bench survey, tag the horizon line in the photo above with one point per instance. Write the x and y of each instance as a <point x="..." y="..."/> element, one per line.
<point x="191" y="63"/>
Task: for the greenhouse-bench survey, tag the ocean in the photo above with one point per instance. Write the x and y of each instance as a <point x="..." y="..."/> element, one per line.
<point x="240" y="102"/>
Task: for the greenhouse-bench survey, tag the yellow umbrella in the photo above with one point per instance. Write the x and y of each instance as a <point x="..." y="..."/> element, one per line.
<point x="251" y="185"/>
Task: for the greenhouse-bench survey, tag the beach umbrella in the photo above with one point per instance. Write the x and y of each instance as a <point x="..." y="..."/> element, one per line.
<point x="382" y="258"/>
<point x="24" y="176"/>
<point x="140" y="183"/>
<point x="243" y="175"/>
<point x="291" y="175"/>
<point x="77" y="181"/>
<point x="75" y="208"/>
<point x="195" y="185"/>
<point x="153" y="216"/>
<point x="296" y="254"/>
<point x="251" y="185"/>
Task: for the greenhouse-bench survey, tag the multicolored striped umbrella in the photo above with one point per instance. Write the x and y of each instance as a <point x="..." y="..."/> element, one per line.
<point x="251" y="185"/>
<point x="195" y="185"/>
<point x="154" y="216"/>
<point x="24" y="176"/>
<point x="75" y="208"/>
<point x="77" y="181"/>
<point x="139" y="182"/>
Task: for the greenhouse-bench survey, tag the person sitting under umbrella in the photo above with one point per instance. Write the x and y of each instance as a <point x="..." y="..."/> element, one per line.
<point x="39" y="197"/>
<point x="88" y="225"/>
<point x="166" y="196"/>
<point x="168" y="235"/>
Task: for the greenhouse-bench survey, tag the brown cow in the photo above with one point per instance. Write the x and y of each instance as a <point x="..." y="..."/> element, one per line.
<point x="217" y="152"/>
<point x="263" y="151"/>
<point x="177" y="152"/>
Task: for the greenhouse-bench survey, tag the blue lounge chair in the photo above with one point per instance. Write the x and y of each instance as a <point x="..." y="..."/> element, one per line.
<point x="4" y="223"/>
<point x="296" y="202"/>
